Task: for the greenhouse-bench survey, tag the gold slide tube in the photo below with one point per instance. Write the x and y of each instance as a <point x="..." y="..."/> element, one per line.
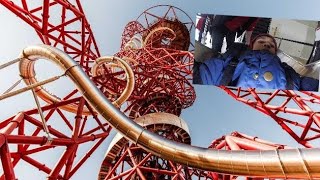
<point x="117" y="62"/>
<point x="287" y="163"/>
<point x="161" y="29"/>
<point x="28" y="74"/>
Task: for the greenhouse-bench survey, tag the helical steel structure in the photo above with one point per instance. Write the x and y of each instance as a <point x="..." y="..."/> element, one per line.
<point x="151" y="76"/>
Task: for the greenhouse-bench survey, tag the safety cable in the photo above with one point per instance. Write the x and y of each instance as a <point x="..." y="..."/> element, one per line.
<point x="45" y="126"/>
<point x="9" y="63"/>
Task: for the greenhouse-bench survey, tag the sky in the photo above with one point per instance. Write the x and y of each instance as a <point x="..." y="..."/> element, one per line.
<point x="213" y="114"/>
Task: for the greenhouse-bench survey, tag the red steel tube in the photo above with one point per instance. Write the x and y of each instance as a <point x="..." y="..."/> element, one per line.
<point x="6" y="162"/>
<point x="55" y="172"/>
<point x="12" y="124"/>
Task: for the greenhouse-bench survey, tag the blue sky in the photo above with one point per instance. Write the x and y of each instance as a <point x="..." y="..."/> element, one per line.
<point x="213" y="114"/>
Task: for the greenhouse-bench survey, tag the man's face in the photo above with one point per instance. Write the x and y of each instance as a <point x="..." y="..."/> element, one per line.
<point x="264" y="43"/>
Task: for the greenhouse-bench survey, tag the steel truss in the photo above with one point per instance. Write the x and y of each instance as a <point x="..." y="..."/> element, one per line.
<point x="158" y="50"/>
<point x="296" y="112"/>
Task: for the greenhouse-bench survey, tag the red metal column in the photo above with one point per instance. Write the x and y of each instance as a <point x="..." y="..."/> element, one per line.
<point x="4" y="149"/>
<point x="6" y="162"/>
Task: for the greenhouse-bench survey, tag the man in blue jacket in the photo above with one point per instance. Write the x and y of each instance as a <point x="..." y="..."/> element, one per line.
<point x="259" y="67"/>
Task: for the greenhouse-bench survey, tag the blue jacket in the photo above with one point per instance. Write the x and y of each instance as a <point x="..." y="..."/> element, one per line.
<point x="256" y="69"/>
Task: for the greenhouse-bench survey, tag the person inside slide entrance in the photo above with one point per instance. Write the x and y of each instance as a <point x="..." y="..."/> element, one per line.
<point x="255" y="67"/>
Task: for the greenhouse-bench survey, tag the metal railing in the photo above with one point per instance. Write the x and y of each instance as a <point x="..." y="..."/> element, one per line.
<point x="298" y="42"/>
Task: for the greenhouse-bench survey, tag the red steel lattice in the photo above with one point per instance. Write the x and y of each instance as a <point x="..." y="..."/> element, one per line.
<point x="60" y="24"/>
<point x="158" y="90"/>
<point x="295" y="112"/>
<point x="157" y="46"/>
<point x="162" y="77"/>
<point x="239" y="141"/>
